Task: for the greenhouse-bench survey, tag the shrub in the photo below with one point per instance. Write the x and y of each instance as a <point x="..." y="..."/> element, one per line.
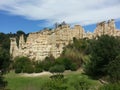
<point x="113" y="86"/>
<point x="73" y="67"/>
<point x="23" y="64"/>
<point x="38" y="67"/>
<point x="48" y="62"/>
<point x="57" y="76"/>
<point x="38" y="70"/>
<point x="18" y="70"/>
<point x="82" y="83"/>
<point x="55" y="85"/>
<point x="28" y="69"/>
<point x="57" y="69"/>
<point x="65" y="62"/>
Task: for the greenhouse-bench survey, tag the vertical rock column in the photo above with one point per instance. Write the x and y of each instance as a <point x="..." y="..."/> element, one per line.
<point x="13" y="47"/>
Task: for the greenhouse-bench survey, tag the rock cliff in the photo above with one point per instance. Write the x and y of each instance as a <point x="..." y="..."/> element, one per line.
<point x="51" y="42"/>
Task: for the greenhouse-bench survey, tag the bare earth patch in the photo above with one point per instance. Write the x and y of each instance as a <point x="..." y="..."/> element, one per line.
<point x="45" y="73"/>
<point x="36" y="74"/>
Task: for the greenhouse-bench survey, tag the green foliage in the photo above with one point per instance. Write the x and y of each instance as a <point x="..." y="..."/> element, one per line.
<point x="55" y="85"/>
<point x="77" y="51"/>
<point x="38" y="70"/>
<point x="103" y="51"/>
<point x="57" y="76"/>
<point x="73" y="67"/>
<point x="57" y="69"/>
<point x="4" y="60"/>
<point x="4" y="66"/>
<point x="113" y="69"/>
<point x="23" y="64"/>
<point x="38" y="67"/>
<point x="4" y="41"/>
<point x="20" y="32"/>
<point x="48" y="62"/>
<point x="3" y="83"/>
<point x="113" y="86"/>
<point x="65" y="62"/>
<point x="82" y="84"/>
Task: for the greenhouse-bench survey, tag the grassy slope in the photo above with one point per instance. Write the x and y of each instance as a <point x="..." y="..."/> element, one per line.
<point x="17" y="82"/>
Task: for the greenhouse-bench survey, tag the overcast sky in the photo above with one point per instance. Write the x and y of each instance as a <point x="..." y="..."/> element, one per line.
<point x="46" y="12"/>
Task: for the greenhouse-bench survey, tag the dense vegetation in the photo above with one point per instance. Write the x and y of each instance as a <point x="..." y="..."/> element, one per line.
<point x="5" y="58"/>
<point x="105" y="58"/>
<point x="99" y="58"/>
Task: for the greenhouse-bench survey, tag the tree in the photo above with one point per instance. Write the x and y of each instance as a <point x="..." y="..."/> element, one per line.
<point x="4" y="60"/>
<point x="48" y="62"/>
<point x="113" y="69"/>
<point x="4" y="41"/>
<point x="23" y="64"/>
<point x="4" y="66"/>
<point x="103" y="51"/>
<point x="20" y="32"/>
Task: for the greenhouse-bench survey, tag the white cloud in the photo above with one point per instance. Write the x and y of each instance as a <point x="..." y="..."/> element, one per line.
<point x="82" y="12"/>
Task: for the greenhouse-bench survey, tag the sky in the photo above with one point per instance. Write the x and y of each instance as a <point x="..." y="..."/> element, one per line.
<point x="34" y="15"/>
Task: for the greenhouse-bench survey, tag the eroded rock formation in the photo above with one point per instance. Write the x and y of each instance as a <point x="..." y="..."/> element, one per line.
<point x="51" y="42"/>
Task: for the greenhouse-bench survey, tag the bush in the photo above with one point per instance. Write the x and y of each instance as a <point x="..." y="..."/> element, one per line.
<point x="57" y="76"/>
<point x="38" y="67"/>
<point x="55" y="85"/>
<point x="113" y="86"/>
<point x="23" y="64"/>
<point x="28" y="69"/>
<point x="57" y="69"/>
<point x="65" y="62"/>
<point x="73" y="67"/>
<point x="18" y="70"/>
<point x="48" y="62"/>
<point x="82" y="83"/>
<point x="38" y="70"/>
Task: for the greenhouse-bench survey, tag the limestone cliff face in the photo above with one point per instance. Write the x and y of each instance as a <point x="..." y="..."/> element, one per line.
<point x="106" y="28"/>
<point x="44" y="43"/>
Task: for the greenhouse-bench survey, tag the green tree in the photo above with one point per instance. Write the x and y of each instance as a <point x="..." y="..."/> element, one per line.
<point x="4" y="66"/>
<point x="4" y="41"/>
<point x="20" y="32"/>
<point x="113" y="69"/>
<point x="103" y="51"/>
<point x="23" y="64"/>
<point x="48" y="62"/>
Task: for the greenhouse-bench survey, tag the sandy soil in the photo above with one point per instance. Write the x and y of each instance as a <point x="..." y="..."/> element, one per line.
<point x="36" y="74"/>
<point x="44" y="73"/>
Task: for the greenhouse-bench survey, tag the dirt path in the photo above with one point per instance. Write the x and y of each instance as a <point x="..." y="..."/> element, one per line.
<point x="45" y="73"/>
<point x="36" y="74"/>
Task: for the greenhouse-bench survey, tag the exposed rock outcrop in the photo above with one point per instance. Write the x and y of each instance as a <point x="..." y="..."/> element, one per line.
<point x="46" y="42"/>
